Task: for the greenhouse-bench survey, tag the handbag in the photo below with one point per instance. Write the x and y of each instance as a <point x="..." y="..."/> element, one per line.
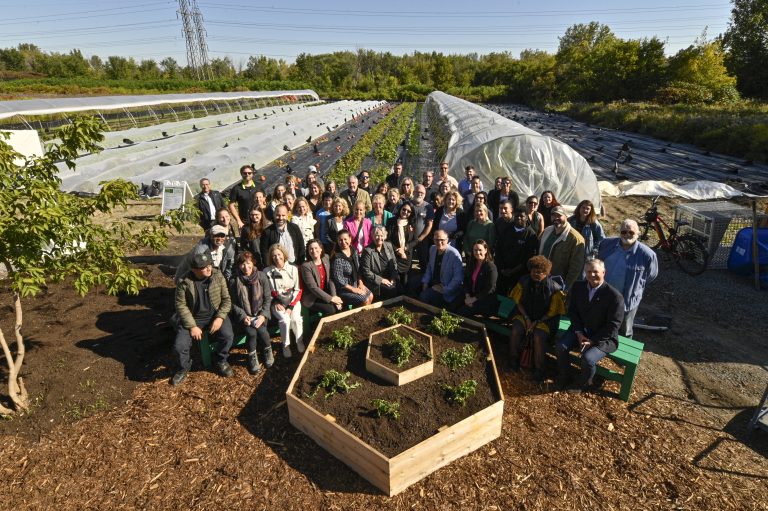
<point x="526" y="358"/>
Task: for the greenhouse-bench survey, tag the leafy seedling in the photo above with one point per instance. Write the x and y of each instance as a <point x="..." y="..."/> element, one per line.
<point x="399" y="348"/>
<point x="460" y="393"/>
<point x="445" y="323"/>
<point x="342" y="339"/>
<point x="332" y="382"/>
<point x="455" y="359"/>
<point x="384" y="408"/>
<point x="400" y="316"/>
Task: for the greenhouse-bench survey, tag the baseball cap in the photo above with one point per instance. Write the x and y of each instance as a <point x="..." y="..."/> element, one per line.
<point x="557" y="210"/>
<point x="312" y="169"/>
<point x="218" y="229"/>
<point x="202" y="260"/>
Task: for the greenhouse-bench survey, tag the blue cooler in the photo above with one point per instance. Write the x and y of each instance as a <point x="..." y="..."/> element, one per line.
<point x="740" y="260"/>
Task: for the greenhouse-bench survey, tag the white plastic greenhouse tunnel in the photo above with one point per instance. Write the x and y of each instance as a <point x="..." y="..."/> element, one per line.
<point x="497" y="146"/>
<point x="233" y="130"/>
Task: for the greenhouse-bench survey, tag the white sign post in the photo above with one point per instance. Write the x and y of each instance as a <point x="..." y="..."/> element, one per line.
<point x="174" y="195"/>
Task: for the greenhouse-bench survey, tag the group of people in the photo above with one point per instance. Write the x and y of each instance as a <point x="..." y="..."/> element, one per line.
<point x="449" y="243"/>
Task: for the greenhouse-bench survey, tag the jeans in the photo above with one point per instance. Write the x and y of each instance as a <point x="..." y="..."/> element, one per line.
<point x="183" y="343"/>
<point x="436" y="299"/>
<point x="628" y="323"/>
<point x="589" y="358"/>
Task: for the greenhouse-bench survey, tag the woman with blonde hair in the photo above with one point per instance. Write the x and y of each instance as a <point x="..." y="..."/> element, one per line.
<point x="283" y="279"/>
<point x="451" y="219"/>
<point x="302" y="216"/>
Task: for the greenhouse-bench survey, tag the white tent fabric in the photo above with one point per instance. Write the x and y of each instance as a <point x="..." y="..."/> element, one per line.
<point x="498" y="146"/>
<point x="25" y="142"/>
<point x="694" y="190"/>
<point x="214" y="146"/>
<point x="63" y="105"/>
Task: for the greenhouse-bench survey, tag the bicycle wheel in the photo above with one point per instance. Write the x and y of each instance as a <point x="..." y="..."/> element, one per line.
<point x="690" y="255"/>
<point x="649" y="235"/>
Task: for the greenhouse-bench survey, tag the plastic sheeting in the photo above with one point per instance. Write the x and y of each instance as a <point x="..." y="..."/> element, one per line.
<point x="498" y="146"/>
<point x="24" y="142"/>
<point x="694" y="190"/>
<point x="62" y="105"/>
<point x="214" y="146"/>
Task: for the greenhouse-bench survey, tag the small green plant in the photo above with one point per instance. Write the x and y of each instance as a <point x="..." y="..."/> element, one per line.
<point x="446" y="323"/>
<point x="333" y="381"/>
<point x="386" y="408"/>
<point x="454" y="358"/>
<point x="400" y="316"/>
<point x="460" y="393"/>
<point x="342" y="338"/>
<point x="400" y="348"/>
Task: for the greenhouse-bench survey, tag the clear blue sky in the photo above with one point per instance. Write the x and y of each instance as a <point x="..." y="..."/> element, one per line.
<point x="239" y="28"/>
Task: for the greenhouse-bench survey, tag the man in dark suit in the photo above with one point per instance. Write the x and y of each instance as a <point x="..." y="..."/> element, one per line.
<point x="286" y="233"/>
<point x="596" y="312"/>
<point x="208" y="202"/>
<point x="496" y="197"/>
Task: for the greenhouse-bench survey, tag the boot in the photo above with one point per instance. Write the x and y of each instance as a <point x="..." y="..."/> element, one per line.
<point x="253" y="363"/>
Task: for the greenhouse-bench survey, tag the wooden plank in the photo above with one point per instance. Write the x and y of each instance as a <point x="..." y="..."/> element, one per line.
<point x="359" y="456"/>
<point x="414" y="373"/>
<point x="445" y="446"/>
<point x="492" y="360"/>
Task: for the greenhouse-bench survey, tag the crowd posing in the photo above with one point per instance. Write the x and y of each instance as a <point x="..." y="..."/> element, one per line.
<point x="316" y="246"/>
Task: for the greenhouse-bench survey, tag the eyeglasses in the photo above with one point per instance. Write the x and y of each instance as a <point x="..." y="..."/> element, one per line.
<point x="363" y="177"/>
<point x="247" y="173"/>
<point x="533" y="203"/>
<point x="631" y="233"/>
<point x="406" y="211"/>
<point x="219" y="235"/>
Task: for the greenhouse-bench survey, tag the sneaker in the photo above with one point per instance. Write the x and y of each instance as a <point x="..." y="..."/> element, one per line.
<point x="269" y="358"/>
<point x="224" y="369"/>
<point x="300" y="346"/>
<point x="287" y="352"/>
<point x="179" y="378"/>
<point x="253" y="363"/>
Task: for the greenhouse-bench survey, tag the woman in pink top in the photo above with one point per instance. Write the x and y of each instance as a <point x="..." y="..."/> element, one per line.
<point x="359" y="227"/>
<point x="480" y="283"/>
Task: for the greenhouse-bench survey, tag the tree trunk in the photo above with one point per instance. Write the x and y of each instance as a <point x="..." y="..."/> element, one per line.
<point x="16" y="389"/>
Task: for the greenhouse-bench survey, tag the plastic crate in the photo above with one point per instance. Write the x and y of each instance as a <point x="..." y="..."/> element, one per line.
<point x="717" y="224"/>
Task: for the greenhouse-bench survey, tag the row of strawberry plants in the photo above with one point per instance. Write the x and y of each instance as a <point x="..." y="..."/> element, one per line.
<point x="350" y="163"/>
<point x="414" y="134"/>
<point x="386" y="150"/>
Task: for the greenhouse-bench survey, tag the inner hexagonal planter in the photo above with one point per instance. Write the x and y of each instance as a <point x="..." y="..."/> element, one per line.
<point x="430" y="433"/>
<point x="421" y="363"/>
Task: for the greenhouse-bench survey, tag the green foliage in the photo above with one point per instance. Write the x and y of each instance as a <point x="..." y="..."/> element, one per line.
<point x="400" y="316"/>
<point x="445" y="324"/>
<point x="334" y="382"/>
<point x="460" y="393"/>
<point x="48" y="235"/>
<point x="386" y="408"/>
<point x="745" y="43"/>
<point x="400" y="348"/>
<point x="342" y="338"/>
<point x="455" y="359"/>
<point x="414" y="135"/>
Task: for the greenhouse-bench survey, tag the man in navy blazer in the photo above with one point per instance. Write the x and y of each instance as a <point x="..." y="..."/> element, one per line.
<point x="596" y="312"/>
<point x="442" y="283"/>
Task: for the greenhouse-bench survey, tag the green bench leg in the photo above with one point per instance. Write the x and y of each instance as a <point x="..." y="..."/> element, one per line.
<point x="206" y="348"/>
<point x="627" y="381"/>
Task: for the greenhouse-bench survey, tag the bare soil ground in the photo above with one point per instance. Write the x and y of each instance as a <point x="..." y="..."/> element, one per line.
<point x="108" y="432"/>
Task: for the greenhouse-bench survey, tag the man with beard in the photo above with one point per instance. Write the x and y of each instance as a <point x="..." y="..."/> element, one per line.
<point x="445" y="177"/>
<point x="354" y="194"/>
<point x="219" y="246"/>
<point x="241" y="196"/>
<point x="427" y="180"/>
<point x="515" y="244"/>
<point x="629" y="266"/>
<point x="596" y="310"/>
<point x="564" y="247"/>
<point x="286" y="234"/>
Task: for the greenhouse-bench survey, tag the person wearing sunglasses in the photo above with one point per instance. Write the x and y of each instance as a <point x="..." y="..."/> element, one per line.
<point x="241" y="196"/>
<point x="630" y="266"/>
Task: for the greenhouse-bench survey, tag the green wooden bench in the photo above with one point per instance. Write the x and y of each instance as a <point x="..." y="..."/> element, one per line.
<point x="627" y="355"/>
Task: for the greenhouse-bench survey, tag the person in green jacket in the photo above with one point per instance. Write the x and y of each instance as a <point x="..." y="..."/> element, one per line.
<point x="479" y="228"/>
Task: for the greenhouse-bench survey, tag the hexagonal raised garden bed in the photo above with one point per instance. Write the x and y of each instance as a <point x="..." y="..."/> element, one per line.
<point x="377" y="359"/>
<point x="427" y="428"/>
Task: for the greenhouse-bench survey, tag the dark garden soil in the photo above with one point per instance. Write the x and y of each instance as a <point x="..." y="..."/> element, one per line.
<point x="382" y="354"/>
<point x="424" y="408"/>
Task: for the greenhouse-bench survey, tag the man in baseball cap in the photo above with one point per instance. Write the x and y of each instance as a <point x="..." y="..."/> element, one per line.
<point x="564" y="247"/>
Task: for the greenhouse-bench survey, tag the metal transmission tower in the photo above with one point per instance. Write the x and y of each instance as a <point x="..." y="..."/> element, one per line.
<point x="194" y="35"/>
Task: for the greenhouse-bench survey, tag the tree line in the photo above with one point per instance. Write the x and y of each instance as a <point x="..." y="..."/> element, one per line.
<point x="591" y="64"/>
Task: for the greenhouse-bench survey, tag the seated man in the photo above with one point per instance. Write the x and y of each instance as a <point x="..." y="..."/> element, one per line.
<point x="540" y="302"/>
<point x="442" y="283"/>
<point x="596" y="310"/>
<point x="219" y="245"/>
<point x="202" y="301"/>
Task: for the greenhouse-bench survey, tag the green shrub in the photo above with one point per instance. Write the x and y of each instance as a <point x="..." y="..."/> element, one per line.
<point x="342" y="338"/>
<point x="455" y="359"/>
<point x="399" y="348"/>
<point x="400" y="316"/>
<point x="445" y="324"/>
<point x="386" y="408"/>
<point x="460" y="393"/>
<point x="333" y="381"/>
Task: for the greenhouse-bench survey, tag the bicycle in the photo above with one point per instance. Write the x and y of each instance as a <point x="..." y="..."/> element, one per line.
<point x="686" y="249"/>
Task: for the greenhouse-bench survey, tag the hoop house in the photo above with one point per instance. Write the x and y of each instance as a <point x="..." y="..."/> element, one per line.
<point x="497" y="146"/>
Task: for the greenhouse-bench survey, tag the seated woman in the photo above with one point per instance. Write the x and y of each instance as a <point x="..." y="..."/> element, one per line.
<point x="540" y="302"/>
<point x="286" y="297"/>
<point x="250" y="235"/>
<point x="251" y="304"/>
<point x="345" y="273"/>
<point x="378" y="267"/>
<point x="319" y="291"/>
<point x="359" y="227"/>
<point x="404" y="240"/>
<point x="480" y="282"/>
